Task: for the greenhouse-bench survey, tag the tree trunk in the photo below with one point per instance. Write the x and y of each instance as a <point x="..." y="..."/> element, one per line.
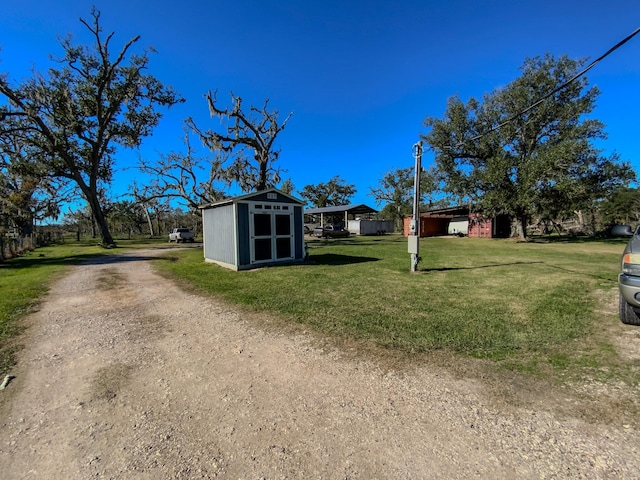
<point x="262" y="180"/>
<point x="519" y="227"/>
<point x="94" y="233"/>
<point x="99" y="218"/>
<point x="580" y="219"/>
<point x="146" y="211"/>
<point x="522" y="227"/>
<point x="105" y="233"/>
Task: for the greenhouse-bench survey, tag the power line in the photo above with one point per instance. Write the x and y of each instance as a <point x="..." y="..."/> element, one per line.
<point x="557" y="89"/>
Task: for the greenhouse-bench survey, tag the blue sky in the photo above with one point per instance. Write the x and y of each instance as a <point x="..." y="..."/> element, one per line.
<point x="359" y="76"/>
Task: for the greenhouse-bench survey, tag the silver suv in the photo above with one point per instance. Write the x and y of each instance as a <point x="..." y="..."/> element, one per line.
<point x="629" y="280"/>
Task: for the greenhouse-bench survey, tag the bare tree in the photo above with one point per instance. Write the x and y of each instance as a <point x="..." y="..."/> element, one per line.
<point x="178" y="176"/>
<point x="249" y="139"/>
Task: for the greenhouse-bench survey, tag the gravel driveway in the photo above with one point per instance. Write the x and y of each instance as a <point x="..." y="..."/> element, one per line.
<point x="125" y="375"/>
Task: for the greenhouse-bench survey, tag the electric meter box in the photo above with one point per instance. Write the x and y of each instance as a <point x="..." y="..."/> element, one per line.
<point x="413" y="243"/>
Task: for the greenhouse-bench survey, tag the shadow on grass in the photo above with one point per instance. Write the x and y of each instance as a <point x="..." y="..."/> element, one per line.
<point x="336" y="259"/>
<point x="493" y="265"/>
<point x="32" y="261"/>
<point x="106" y="257"/>
<point x="580" y="239"/>
<point x="354" y="241"/>
<point x="110" y="259"/>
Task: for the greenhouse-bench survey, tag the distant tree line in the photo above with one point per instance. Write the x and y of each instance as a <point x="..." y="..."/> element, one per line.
<point x="129" y="219"/>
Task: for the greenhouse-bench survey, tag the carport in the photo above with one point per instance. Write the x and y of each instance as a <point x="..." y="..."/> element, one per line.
<point x="342" y="210"/>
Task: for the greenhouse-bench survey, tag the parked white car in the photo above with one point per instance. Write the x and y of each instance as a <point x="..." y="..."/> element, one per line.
<point x="181" y="235"/>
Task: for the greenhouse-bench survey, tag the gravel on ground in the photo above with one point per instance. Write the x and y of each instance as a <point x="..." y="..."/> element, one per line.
<point x="126" y="375"/>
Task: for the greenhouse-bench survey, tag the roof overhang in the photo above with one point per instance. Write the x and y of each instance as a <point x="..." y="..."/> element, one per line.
<point x="459" y="211"/>
<point x="360" y="209"/>
<point x="247" y="197"/>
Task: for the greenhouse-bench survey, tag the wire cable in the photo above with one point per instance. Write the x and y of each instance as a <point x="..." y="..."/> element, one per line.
<point x="557" y="89"/>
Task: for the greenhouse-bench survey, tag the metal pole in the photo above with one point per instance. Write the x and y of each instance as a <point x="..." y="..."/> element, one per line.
<point x="414" y="234"/>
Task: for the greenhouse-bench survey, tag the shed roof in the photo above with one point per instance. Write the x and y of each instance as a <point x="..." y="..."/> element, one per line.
<point x="249" y="196"/>
<point x="353" y="209"/>
<point x="450" y="212"/>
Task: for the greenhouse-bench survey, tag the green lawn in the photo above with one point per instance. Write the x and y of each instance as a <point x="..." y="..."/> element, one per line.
<point x="529" y="306"/>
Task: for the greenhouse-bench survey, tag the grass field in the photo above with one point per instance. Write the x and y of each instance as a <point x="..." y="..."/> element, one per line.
<point x="529" y="306"/>
<point x="534" y="307"/>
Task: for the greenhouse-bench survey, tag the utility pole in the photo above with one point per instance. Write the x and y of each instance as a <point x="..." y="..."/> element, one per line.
<point x="414" y="226"/>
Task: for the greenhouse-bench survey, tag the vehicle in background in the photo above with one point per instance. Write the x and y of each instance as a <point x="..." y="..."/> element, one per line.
<point x="330" y="231"/>
<point x="621" y="231"/>
<point x="309" y="227"/>
<point x="181" y="235"/>
<point x="629" y="277"/>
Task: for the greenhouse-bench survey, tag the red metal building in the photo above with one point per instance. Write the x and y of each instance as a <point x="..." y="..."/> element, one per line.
<point x="436" y="222"/>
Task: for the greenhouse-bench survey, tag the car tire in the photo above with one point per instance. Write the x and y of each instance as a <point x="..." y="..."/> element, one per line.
<point x="628" y="315"/>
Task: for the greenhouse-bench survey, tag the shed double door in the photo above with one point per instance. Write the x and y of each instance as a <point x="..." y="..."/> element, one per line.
<point x="271" y="232"/>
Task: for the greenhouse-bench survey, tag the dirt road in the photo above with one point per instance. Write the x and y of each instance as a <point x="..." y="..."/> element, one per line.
<point x="124" y="375"/>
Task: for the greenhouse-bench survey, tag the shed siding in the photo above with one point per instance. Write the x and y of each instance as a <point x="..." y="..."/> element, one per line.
<point x="218" y="226"/>
<point x="244" y="240"/>
<point x="298" y="228"/>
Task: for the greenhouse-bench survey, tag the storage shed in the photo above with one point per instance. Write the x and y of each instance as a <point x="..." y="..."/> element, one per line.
<point x="253" y="230"/>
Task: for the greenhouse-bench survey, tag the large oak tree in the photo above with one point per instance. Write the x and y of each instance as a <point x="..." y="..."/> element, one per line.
<point x="77" y="114"/>
<point x="26" y="196"/>
<point x="528" y="147"/>
<point x="333" y="193"/>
